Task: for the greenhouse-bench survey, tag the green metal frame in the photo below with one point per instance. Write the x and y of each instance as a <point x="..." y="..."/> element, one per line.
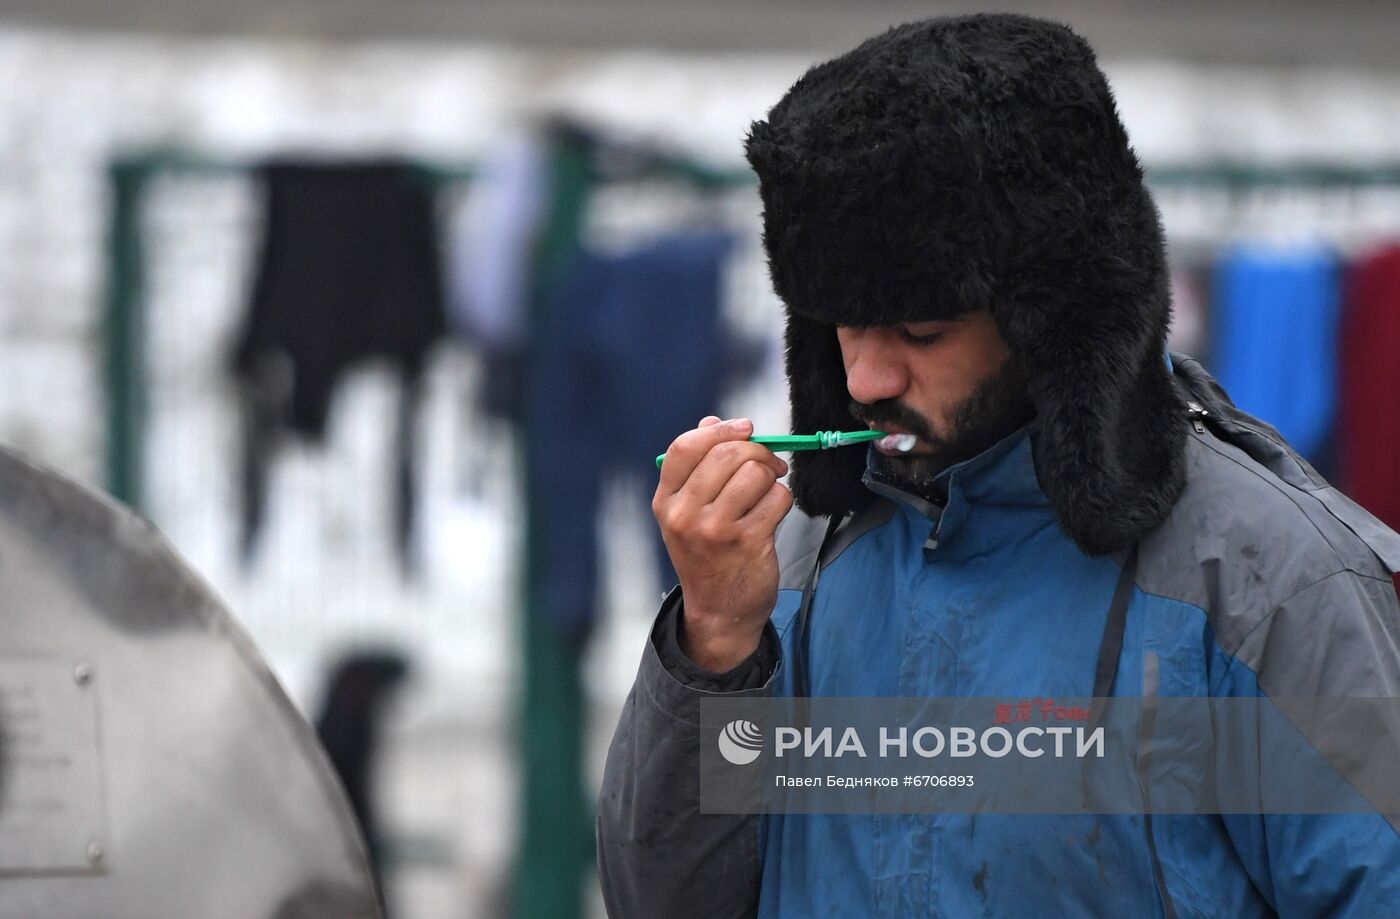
<point x="123" y="331"/>
<point x="1308" y="174"/>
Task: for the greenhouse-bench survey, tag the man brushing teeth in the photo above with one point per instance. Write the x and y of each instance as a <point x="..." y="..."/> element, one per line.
<point x="970" y="261"/>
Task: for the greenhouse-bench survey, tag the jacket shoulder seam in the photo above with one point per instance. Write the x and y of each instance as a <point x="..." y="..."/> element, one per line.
<point x="1232" y="656"/>
<point x="1279" y="487"/>
<point x="1267" y="617"/>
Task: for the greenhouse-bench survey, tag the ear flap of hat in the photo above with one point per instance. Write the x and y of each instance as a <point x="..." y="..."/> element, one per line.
<point x="823" y="481"/>
<point x="1112" y="476"/>
<point x="1090" y="327"/>
<point x="1114" y="473"/>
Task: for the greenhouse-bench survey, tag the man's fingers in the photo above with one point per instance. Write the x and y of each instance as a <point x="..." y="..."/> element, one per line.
<point x="770" y="509"/>
<point x="720" y="465"/>
<point x="743" y="490"/>
<point x="686" y="451"/>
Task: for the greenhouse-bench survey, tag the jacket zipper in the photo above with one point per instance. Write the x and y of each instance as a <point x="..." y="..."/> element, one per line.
<point x="1196" y="412"/>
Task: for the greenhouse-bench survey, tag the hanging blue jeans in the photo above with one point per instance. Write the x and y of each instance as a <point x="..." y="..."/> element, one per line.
<point x="633" y="356"/>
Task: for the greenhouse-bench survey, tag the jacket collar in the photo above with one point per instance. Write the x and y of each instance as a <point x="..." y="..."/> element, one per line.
<point x="1002" y="476"/>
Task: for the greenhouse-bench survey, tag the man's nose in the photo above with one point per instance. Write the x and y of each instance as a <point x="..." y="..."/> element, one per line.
<point x="873" y="369"/>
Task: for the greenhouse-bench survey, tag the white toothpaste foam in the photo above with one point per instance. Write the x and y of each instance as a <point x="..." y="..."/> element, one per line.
<point x="901" y="442"/>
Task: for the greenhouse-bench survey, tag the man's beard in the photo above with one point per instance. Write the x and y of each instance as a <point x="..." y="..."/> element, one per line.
<point x="997" y="407"/>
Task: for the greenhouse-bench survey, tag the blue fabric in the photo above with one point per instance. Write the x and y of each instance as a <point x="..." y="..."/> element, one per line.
<point x="633" y="356"/>
<point x="1276" y="317"/>
<point x="1007" y="606"/>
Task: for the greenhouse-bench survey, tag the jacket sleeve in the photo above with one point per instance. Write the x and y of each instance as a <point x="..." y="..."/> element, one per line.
<point x="1337" y="639"/>
<point x="657" y="854"/>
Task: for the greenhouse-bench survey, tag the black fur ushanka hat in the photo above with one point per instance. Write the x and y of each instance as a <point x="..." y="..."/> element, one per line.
<point x="971" y="163"/>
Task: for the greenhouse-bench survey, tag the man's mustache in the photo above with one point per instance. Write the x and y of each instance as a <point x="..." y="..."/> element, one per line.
<point x="892" y="411"/>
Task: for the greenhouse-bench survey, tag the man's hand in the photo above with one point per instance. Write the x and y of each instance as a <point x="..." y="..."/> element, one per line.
<point x="719" y="502"/>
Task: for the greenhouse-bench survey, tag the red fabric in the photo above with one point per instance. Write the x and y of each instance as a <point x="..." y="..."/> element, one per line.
<point x="1370" y="385"/>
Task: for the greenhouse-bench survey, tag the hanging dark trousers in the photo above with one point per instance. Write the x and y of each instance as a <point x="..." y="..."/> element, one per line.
<point x="348" y="271"/>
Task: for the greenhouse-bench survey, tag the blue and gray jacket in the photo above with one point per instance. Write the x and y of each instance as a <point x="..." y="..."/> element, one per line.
<point x="1263" y="580"/>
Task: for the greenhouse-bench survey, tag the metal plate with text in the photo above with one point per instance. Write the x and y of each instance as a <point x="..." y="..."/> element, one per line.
<point x="51" y="813"/>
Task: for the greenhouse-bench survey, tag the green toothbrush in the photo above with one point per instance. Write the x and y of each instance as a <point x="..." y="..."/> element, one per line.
<point x="822" y="440"/>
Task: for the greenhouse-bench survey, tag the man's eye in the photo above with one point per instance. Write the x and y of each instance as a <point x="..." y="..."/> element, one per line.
<point x="911" y="338"/>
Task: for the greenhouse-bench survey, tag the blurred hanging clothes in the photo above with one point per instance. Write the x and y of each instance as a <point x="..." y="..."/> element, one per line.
<point x="635" y="355"/>
<point x="348" y="726"/>
<point x="494" y="237"/>
<point x="492" y="256"/>
<point x="348" y="271"/>
<point x="1275" y="315"/>
<point x="1370" y="384"/>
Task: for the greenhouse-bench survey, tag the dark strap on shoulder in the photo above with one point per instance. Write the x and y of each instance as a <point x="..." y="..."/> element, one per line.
<point x="1111" y="647"/>
<point x="800" y="646"/>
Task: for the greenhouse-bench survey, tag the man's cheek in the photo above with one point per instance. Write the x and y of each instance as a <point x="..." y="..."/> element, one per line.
<point x="940" y="422"/>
